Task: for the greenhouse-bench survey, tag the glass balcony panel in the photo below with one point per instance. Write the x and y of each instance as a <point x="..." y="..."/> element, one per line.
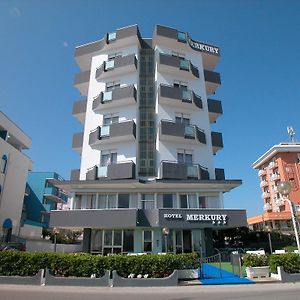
<point x="186" y="95"/>
<point x="181" y="36"/>
<point x="189" y="131"/>
<point x="112" y="36"/>
<point x="102" y="171"/>
<point x="192" y="171"/>
<point x="109" y="64"/>
<point x="105" y="131"/>
<point x="184" y="64"/>
<point x="107" y="96"/>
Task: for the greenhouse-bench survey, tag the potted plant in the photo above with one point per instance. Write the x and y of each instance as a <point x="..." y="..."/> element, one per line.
<point x="256" y="265"/>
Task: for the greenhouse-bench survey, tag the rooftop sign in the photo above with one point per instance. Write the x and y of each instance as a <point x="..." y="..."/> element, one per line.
<point x="198" y="46"/>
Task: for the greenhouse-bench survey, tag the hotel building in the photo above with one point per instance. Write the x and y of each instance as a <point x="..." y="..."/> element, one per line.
<point x="279" y="163"/>
<point x="147" y="180"/>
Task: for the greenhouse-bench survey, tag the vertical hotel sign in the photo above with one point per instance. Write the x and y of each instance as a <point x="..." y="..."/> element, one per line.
<point x="198" y="46"/>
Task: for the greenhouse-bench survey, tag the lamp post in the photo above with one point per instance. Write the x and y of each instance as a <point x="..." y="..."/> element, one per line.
<point x="56" y="231"/>
<point x="284" y="189"/>
<point x="166" y="232"/>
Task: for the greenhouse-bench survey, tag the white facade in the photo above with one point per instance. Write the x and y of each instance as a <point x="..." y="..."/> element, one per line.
<point x="13" y="173"/>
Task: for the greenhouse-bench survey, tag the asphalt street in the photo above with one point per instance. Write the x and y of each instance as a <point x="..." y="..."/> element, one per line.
<point x="270" y="291"/>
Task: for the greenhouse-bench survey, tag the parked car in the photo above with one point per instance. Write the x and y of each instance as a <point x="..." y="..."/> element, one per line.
<point x="13" y="246"/>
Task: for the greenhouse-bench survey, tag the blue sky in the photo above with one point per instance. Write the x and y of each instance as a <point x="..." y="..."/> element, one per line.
<point x="260" y="72"/>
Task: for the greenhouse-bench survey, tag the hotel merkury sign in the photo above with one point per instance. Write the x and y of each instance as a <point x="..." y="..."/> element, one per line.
<point x="215" y="219"/>
<point x="198" y="46"/>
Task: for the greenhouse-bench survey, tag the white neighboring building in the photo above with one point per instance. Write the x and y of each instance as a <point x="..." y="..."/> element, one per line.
<point x="147" y="146"/>
<point x="14" y="167"/>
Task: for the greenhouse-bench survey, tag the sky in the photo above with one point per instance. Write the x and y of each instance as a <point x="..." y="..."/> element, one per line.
<point x="259" y="67"/>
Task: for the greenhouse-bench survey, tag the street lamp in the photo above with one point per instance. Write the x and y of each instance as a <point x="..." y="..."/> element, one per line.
<point x="165" y="232"/>
<point x="284" y="189"/>
<point x="56" y="232"/>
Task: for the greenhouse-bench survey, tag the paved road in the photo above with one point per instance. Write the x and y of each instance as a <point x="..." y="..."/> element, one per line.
<point x="270" y="291"/>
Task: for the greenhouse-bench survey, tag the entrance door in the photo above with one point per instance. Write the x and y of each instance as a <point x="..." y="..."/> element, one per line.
<point x="187" y="241"/>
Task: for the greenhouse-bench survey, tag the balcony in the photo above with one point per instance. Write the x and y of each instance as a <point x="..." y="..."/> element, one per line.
<point x="212" y="81"/>
<point x="278" y="201"/>
<point x="176" y="170"/>
<point x="267" y="207"/>
<point x="219" y="174"/>
<point x="119" y="66"/>
<point x="178" y="97"/>
<point x="177" y="66"/>
<point x="120" y="170"/>
<point x="79" y="110"/>
<point x="263" y="183"/>
<point x="77" y="142"/>
<point x="54" y="194"/>
<point x="178" y="132"/>
<point x="273" y="164"/>
<point x="81" y="82"/>
<point x="265" y="195"/>
<point x="75" y="175"/>
<point x="217" y="141"/>
<point x="174" y="39"/>
<point x="126" y="36"/>
<point x="118" y="97"/>
<point x="274" y="177"/>
<point x="262" y="172"/>
<point x="113" y="133"/>
<point x="215" y="110"/>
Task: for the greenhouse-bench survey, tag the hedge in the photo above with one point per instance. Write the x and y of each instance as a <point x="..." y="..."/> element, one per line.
<point x="254" y="260"/>
<point x="289" y="261"/>
<point x="14" y="263"/>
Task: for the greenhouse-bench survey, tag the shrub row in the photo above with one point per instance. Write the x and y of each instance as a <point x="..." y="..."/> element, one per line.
<point x="84" y="265"/>
<point x="289" y="261"/>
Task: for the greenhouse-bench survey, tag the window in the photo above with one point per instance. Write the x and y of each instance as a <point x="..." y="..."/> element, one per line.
<point x="114" y="55"/>
<point x="128" y="241"/>
<point x="77" y="202"/>
<point x="91" y="201"/>
<point x="180" y="84"/>
<point x="182" y="118"/>
<point x="188" y="201"/>
<point x="108" y="158"/>
<point x="167" y="200"/>
<point x="147" y="201"/>
<point x="123" y="200"/>
<point x="107" y="201"/>
<point x="110" y="118"/>
<point x="147" y="240"/>
<point x="181" y="37"/>
<point x="177" y="54"/>
<point x="96" y="241"/>
<point x="3" y="164"/>
<point x="111" y="36"/>
<point x="112" y="85"/>
<point x="185" y="156"/>
<point x="202" y="202"/>
<point x="184" y="64"/>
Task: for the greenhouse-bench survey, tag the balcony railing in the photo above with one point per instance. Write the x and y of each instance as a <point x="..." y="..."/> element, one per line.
<point x="79" y="110"/>
<point x="212" y="81"/>
<point x="116" y="132"/>
<point x="173" y="131"/>
<point x="217" y="141"/>
<point x="118" y="97"/>
<point x="116" y="67"/>
<point x="81" y="82"/>
<point x="77" y="141"/>
<point x="171" y="64"/>
<point x="274" y="177"/>
<point x="263" y="183"/>
<point x="178" y="96"/>
<point x="54" y="194"/>
<point x="177" y="170"/>
<point x="265" y="195"/>
<point x="214" y="109"/>
<point x="272" y="164"/>
<point x="75" y="174"/>
<point x="267" y="206"/>
<point x="261" y="172"/>
<point x="119" y="170"/>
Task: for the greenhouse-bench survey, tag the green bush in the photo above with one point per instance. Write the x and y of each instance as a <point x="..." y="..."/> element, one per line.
<point x="84" y="265"/>
<point x="254" y="260"/>
<point x="289" y="261"/>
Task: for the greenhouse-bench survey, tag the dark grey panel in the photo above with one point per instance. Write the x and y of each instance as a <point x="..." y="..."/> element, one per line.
<point x="214" y="106"/>
<point x="147" y="217"/>
<point x="209" y="248"/>
<point x="171" y="92"/>
<point x="79" y="107"/>
<point x="94" y="136"/>
<point x="94" y="218"/>
<point x="172" y="170"/>
<point x="194" y="70"/>
<point x="97" y="101"/>
<point x="166" y="32"/>
<point x="127" y="128"/>
<point x="99" y="71"/>
<point x="200" y="136"/>
<point x="220" y="174"/>
<point x="211" y="76"/>
<point x="77" y="140"/>
<point x="124" y="170"/>
<point x="124" y="92"/>
<point x="172" y="128"/>
<point x="217" y="139"/>
<point x="204" y="174"/>
<point x="89" y="48"/>
<point x="169" y="60"/>
<point x="92" y="173"/>
<point x="75" y="174"/>
<point x="197" y="100"/>
<point x="82" y="77"/>
<point x="127" y="32"/>
<point x="86" y="240"/>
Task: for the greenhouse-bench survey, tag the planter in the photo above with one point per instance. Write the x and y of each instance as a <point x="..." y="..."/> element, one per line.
<point x="257" y="272"/>
<point x="188" y="274"/>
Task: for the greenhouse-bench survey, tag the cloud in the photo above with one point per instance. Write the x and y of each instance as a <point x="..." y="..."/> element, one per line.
<point x="65" y="44"/>
<point x="15" y="12"/>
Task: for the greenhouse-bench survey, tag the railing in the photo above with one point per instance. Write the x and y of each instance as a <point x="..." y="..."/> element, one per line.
<point x="265" y="194"/>
<point x="267" y="206"/>
<point x="261" y="172"/>
<point x="263" y="183"/>
<point x="274" y="177"/>
<point x="272" y="164"/>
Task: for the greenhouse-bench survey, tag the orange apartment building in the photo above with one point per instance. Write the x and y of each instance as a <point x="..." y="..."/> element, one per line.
<point x="279" y="163"/>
